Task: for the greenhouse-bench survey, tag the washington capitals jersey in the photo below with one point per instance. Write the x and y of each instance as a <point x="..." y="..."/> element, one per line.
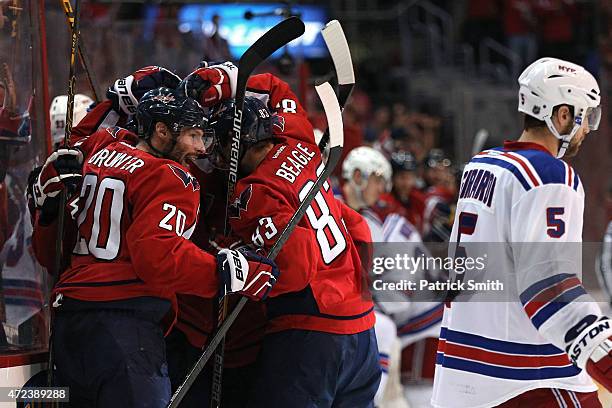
<point x="531" y="204"/>
<point x="134" y="216"/>
<point x="321" y="286"/>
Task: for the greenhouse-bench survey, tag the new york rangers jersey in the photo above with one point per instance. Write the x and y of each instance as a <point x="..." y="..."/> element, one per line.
<point x="492" y="351"/>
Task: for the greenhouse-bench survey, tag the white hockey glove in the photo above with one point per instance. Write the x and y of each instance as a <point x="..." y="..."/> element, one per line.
<point x="247" y="274"/>
<point x="591" y="350"/>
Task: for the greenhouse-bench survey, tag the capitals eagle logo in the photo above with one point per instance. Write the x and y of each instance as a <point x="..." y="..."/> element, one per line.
<point x="185" y="177"/>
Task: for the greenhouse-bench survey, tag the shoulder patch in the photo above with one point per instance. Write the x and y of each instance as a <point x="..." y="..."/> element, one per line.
<point x="186" y="178"/>
<point x="113" y="131"/>
<point x="241" y="203"/>
<point x="279" y="124"/>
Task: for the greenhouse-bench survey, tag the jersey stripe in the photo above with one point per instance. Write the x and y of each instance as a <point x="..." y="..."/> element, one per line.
<point x="383" y="359"/>
<point x="522" y="164"/>
<point x="526" y="165"/>
<point x="422" y="321"/>
<point x="537" y="287"/>
<point x="526" y="374"/>
<point x="502" y="359"/>
<point x="557" y="304"/>
<point x="545" y="298"/>
<point x="499" y="345"/>
<point x="576" y="181"/>
<point x="569" y="173"/>
<point x="506" y="165"/>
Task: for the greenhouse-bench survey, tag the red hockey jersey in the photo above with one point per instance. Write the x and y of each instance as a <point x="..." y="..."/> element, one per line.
<point x="197" y="316"/>
<point x="134" y="216"/>
<point x="321" y="286"/>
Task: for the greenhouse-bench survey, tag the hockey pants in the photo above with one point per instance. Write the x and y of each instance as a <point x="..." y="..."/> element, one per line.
<point x="110" y="358"/>
<point x="309" y="369"/>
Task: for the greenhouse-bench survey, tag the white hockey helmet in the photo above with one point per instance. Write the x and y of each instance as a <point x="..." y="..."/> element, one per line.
<point x="549" y="82"/>
<point x="57" y="113"/>
<point x="368" y="161"/>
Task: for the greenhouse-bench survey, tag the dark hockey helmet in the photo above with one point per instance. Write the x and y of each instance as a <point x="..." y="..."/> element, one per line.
<point x="403" y="160"/>
<point x="170" y="107"/>
<point x="257" y="122"/>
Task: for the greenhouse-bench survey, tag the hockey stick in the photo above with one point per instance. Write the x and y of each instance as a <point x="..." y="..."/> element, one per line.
<point x="334" y="38"/>
<point x="480" y="138"/>
<point x="82" y="53"/>
<point x="334" y="120"/>
<point x="63" y="195"/>
<point x="278" y="36"/>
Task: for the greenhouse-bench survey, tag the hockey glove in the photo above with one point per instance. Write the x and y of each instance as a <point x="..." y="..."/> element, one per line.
<point x="252" y="275"/>
<point x="592" y="350"/>
<point x="126" y="92"/>
<point x="62" y="169"/>
<point x="211" y="85"/>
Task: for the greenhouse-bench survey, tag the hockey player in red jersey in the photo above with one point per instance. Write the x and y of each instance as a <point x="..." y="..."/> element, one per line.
<point x="320" y="345"/>
<point x="543" y="345"/>
<point x="138" y="205"/>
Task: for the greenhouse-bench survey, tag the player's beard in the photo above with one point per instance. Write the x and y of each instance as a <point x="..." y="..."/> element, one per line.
<point x="574" y="145"/>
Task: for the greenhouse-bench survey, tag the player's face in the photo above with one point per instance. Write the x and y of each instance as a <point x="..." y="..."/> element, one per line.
<point x="374" y="188"/>
<point x="578" y="138"/>
<point x="254" y="155"/>
<point x="189" y="146"/>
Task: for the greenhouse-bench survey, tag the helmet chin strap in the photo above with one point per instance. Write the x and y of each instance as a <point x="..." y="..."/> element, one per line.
<point x="166" y="154"/>
<point x="564" y="139"/>
<point x="358" y="188"/>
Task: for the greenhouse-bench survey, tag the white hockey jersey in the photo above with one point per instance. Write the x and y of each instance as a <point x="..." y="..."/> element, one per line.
<point x="490" y="352"/>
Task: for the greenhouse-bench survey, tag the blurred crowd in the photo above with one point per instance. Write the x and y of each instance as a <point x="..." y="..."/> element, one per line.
<point x="533" y="28"/>
<point x="425" y="179"/>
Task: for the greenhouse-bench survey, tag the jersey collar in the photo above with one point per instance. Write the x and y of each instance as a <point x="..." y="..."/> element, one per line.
<point x="514" y="145"/>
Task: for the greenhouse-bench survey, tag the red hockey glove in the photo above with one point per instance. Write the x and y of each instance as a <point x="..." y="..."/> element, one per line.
<point x="126" y="92"/>
<point x="211" y="85"/>
<point x="599" y="366"/>
<point x="61" y="169"/>
<point x="251" y="275"/>
<point x="592" y="350"/>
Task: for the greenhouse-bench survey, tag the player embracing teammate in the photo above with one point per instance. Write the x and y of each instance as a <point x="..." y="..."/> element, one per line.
<point x="128" y="247"/>
<point x="319" y="348"/>
<point x="543" y="345"/>
<point x="130" y="264"/>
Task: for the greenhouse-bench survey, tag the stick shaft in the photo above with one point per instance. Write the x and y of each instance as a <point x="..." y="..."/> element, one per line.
<point x="84" y="57"/>
<point x="63" y="195"/>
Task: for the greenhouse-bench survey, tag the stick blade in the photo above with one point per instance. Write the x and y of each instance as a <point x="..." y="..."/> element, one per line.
<point x="278" y="36"/>
<point x="333" y="112"/>
<point x="334" y="38"/>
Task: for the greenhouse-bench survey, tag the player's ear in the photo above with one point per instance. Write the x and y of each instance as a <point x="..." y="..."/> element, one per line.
<point x="162" y="131"/>
<point x="564" y="116"/>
